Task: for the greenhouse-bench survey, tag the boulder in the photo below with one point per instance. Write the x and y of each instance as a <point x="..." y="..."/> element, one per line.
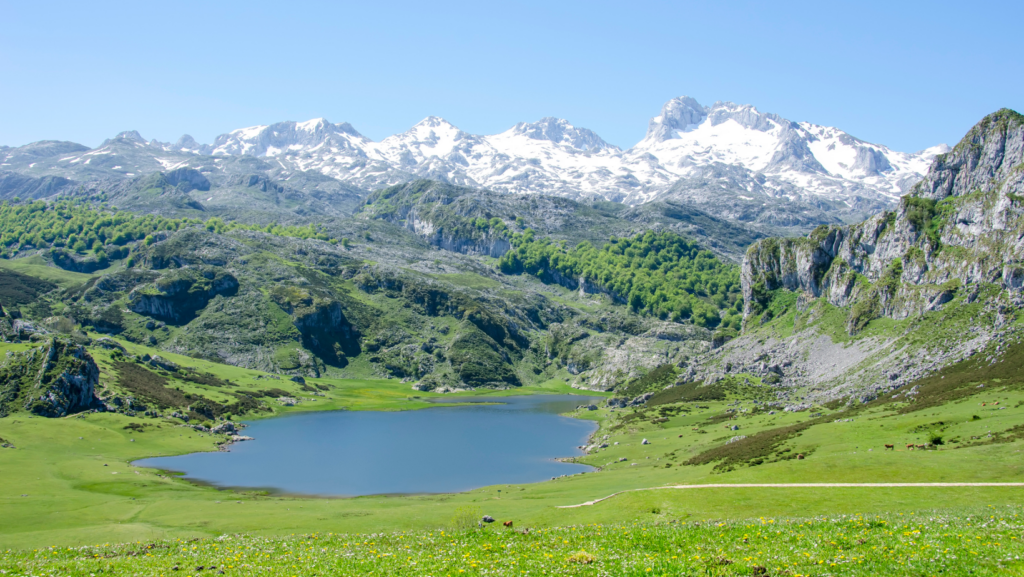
<point x="640" y="399"/>
<point x="162" y="363"/>
<point x="227" y="428"/>
<point x="109" y="344"/>
<point x="487" y="519"/>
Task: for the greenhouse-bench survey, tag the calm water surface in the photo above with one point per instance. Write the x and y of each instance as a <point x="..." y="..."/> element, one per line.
<point x="436" y="450"/>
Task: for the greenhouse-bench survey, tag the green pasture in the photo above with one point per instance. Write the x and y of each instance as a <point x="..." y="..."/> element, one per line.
<point x="980" y="541"/>
<point x="69" y="481"/>
<point x="35" y="266"/>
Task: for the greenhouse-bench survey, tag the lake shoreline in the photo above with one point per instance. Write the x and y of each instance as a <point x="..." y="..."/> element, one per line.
<point x="497" y="416"/>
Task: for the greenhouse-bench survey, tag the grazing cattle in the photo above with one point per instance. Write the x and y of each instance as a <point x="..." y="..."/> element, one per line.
<point x="910" y="446"/>
<point x="508" y="524"/>
<point x="893" y="447"/>
<point x="922" y="446"/>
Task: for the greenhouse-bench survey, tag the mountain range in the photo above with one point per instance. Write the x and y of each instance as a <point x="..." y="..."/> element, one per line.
<point x="727" y="159"/>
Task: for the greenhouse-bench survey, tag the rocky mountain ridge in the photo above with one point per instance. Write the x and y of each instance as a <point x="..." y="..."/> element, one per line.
<point x="862" y="309"/>
<point x="759" y="167"/>
<point x="958" y="227"/>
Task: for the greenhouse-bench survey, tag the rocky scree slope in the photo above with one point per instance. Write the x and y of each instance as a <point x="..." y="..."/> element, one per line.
<point x="945" y="266"/>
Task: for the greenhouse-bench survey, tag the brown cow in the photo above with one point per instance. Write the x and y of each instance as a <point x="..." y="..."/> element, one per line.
<point x="508" y="524"/>
<point x="922" y="446"/>
<point x="893" y="447"/>
<point x="910" y="446"/>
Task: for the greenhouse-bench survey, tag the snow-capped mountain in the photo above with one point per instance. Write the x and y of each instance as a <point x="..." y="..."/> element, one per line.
<point x="779" y="157"/>
<point x="820" y="160"/>
<point x="725" y="157"/>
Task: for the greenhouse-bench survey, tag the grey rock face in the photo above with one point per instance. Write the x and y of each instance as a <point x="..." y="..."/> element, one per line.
<point x="988" y="158"/>
<point x="978" y="182"/>
<point x="958" y="234"/>
<point x="177" y="297"/>
<point x="187" y="179"/>
<point x="677" y="114"/>
<point x="560" y="131"/>
<point x="22" y="186"/>
<point x="54" y="380"/>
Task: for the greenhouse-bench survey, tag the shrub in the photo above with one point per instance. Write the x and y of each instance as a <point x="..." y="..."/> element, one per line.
<point x="465" y="517"/>
<point x="581" y="557"/>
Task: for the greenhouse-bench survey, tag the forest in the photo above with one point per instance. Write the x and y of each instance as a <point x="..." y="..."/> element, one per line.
<point x="660" y="274"/>
<point x="84" y="229"/>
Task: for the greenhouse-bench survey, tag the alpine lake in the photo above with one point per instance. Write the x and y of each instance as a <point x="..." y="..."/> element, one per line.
<point x="461" y="444"/>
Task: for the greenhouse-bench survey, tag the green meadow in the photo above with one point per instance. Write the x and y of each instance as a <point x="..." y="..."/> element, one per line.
<point x="979" y="542"/>
<point x="70" y="483"/>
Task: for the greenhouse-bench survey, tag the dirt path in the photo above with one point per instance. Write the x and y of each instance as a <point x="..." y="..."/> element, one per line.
<point x="792" y="485"/>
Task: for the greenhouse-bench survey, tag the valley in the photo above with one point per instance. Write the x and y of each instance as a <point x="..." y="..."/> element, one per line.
<point x="814" y="375"/>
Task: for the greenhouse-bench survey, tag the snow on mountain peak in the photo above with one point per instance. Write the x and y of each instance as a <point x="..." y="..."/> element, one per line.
<point x="289" y="136"/>
<point x="132" y="136"/>
<point x="725" y="146"/>
<point x="679" y="114"/>
<point x="559" y="131"/>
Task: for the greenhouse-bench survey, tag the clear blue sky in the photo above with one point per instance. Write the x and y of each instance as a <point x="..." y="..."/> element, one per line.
<point x="905" y="74"/>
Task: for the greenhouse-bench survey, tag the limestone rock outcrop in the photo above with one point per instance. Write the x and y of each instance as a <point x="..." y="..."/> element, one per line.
<point x="54" y="380"/>
<point x="960" y="226"/>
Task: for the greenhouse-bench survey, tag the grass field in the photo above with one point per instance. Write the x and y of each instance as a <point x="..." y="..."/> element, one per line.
<point x="982" y="542"/>
<point x="35" y="266"/>
<point x="69" y="482"/>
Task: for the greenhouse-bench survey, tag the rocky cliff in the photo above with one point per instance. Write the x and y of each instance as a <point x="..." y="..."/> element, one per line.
<point x="177" y="298"/>
<point x="959" y="227"/>
<point x="943" y="272"/>
<point x="54" y="380"/>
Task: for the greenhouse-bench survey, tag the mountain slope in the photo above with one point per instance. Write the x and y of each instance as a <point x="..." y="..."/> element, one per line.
<point x="863" y="309"/>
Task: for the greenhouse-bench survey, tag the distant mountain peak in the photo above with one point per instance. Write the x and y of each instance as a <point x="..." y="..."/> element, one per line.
<point x="682" y="114"/>
<point x="287" y="136"/>
<point x="560" y="131"/>
<point x="132" y="136"/>
<point x="434" y="122"/>
<point x="186" y="142"/>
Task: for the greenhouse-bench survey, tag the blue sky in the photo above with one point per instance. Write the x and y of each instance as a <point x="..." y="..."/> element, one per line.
<point x="905" y="74"/>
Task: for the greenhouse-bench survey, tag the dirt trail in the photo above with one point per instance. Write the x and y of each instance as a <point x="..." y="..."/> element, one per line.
<point x="792" y="485"/>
